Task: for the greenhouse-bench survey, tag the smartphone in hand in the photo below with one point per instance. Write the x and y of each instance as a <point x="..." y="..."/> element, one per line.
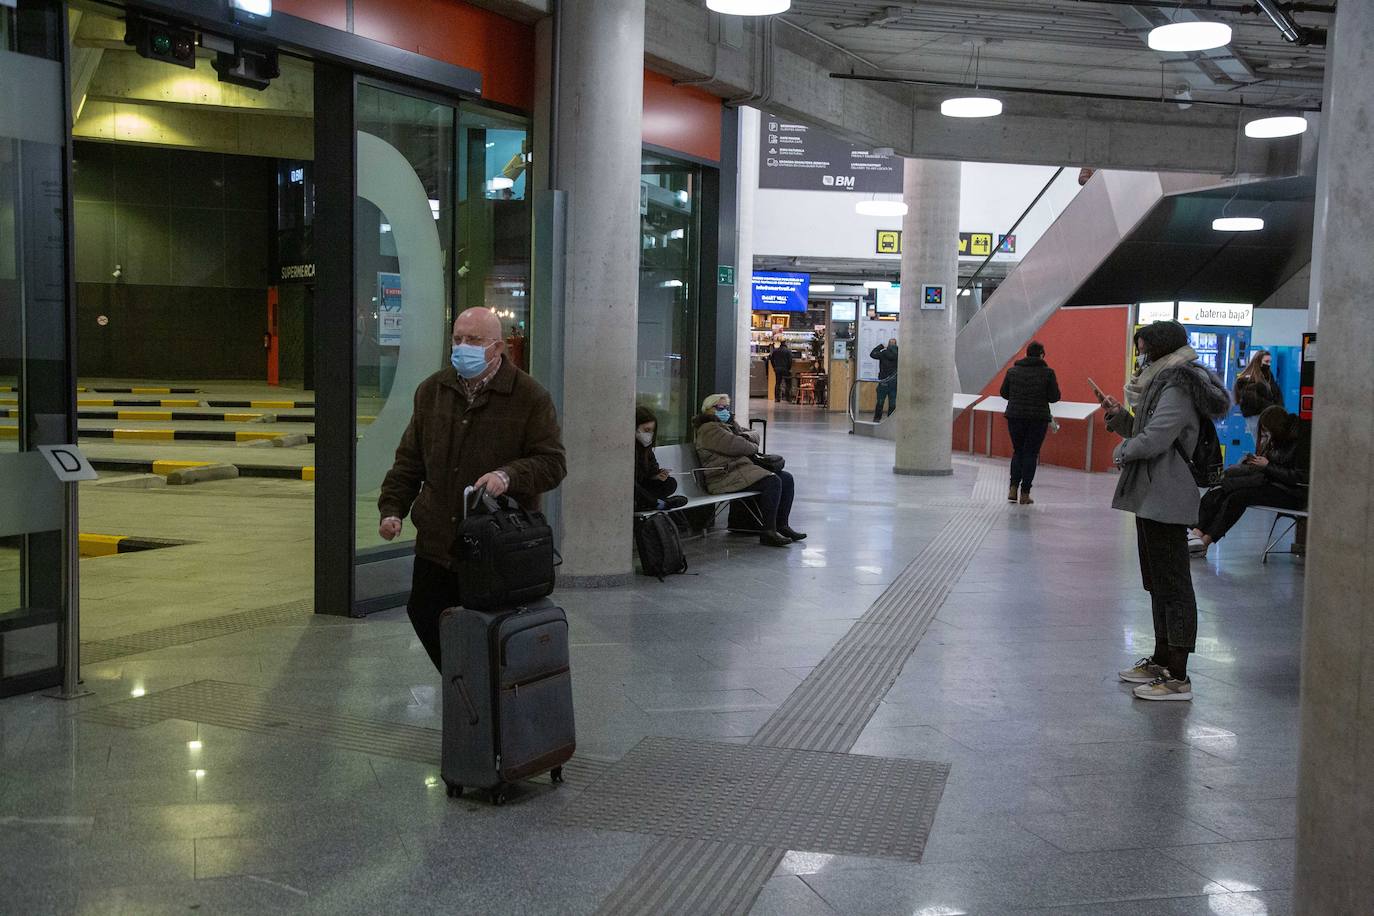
<point x="1098" y="392"/>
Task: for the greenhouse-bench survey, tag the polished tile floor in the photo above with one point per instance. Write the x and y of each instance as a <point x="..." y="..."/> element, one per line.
<point x="1065" y="795"/>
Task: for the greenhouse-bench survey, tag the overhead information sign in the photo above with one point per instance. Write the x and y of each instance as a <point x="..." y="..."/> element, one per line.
<point x="975" y="244"/>
<point x="1228" y="314"/>
<point x="780" y="292"/>
<point x="796" y="157"/>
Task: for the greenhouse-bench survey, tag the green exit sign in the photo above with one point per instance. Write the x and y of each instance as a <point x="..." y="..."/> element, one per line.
<point x="725" y="275"/>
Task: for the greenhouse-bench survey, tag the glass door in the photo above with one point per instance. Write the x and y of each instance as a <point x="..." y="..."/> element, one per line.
<point x="36" y="388"/>
<point x="405" y="224"/>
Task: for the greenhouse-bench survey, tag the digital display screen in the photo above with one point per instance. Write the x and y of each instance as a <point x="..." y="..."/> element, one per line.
<point x="780" y="292"/>
<point x="889" y="300"/>
<point x="843" y="311"/>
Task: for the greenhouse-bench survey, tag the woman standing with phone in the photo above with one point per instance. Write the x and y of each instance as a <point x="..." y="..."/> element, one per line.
<point x="1030" y="387"/>
<point x="1167" y="402"/>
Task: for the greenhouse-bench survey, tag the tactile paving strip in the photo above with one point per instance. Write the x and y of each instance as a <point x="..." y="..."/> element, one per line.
<point x="827" y="712"/>
<point x="783" y="798"/>
<point x="193" y="631"/>
<point x="253" y="709"/>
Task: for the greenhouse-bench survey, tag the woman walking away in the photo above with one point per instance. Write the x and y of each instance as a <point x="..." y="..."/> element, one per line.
<point x="726" y="454"/>
<point x="654" y="486"/>
<point x="1257" y="389"/>
<point x="1167" y="402"/>
<point x="1276" y="475"/>
<point x="1029" y="389"/>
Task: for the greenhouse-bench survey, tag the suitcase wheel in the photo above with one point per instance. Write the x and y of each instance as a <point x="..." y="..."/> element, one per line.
<point x="556" y="775"/>
<point x="498" y="795"/>
<point x="455" y="790"/>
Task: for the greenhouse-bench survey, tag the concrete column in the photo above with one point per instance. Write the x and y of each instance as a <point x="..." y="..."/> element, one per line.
<point x="748" y="189"/>
<point x="597" y="150"/>
<point x="925" y="379"/>
<point x="1335" y="842"/>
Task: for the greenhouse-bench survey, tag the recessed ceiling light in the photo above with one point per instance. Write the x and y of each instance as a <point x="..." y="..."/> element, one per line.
<point x="879" y="284"/>
<point x="1190" y="36"/>
<point x="1284" y="126"/>
<point x="880" y="208"/>
<point x="1238" y="224"/>
<point x="749" y="7"/>
<point x="822" y="287"/>
<point x="973" y="106"/>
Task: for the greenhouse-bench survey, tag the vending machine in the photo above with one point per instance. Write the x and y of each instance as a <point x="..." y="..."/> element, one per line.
<point x="1220" y="333"/>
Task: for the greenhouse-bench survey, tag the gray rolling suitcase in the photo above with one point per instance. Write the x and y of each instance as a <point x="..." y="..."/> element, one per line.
<point x="507" y="709"/>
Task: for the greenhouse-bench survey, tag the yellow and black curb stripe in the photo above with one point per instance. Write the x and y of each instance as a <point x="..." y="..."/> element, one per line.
<point x="146" y="389"/>
<point x="107" y="545"/>
<point x="182" y="435"/>
<point x="171" y="415"/>
<point x="282" y="472"/>
<point x="124" y="402"/>
<point x="264" y="405"/>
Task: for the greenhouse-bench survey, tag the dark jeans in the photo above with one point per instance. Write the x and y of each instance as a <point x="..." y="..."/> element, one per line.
<point x="433" y="590"/>
<point x="1166" y="575"/>
<point x="887" y="391"/>
<point x="649" y="491"/>
<point x="782" y="387"/>
<point x="1026" y="438"/>
<point x="1220" y="511"/>
<point x="775" y="499"/>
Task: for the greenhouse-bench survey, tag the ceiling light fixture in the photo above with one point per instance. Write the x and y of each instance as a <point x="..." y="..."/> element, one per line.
<point x="1237" y="224"/>
<point x="822" y="287"/>
<point x="972" y="106"/>
<point x="879" y="284"/>
<point x="1282" y="126"/>
<point x="880" y="208"/>
<point x="1195" y="35"/>
<point x="749" y="7"/>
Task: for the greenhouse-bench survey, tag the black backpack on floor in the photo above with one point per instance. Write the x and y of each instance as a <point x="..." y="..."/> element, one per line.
<point x="659" y="547"/>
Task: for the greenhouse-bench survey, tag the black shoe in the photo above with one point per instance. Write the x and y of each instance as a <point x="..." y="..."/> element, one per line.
<point x="675" y="502"/>
<point x="774" y="539"/>
<point x="788" y="532"/>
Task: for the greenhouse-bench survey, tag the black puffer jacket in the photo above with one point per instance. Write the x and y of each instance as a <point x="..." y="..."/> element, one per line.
<point x="1030" y="387"/>
<point x="1254" y="396"/>
<point x="1290" y="462"/>
<point x="887" y="361"/>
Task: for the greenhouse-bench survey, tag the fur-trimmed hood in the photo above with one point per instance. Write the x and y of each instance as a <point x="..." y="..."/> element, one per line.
<point x="1205" y="389"/>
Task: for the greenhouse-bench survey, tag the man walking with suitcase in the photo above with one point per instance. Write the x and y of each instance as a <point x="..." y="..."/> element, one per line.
<point x="480" y="422"/>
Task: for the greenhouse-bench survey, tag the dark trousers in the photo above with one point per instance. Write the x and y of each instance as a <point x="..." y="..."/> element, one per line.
<point x="1026" y="438"/>
<point x="887" y="391"/>
<point x="782" y="386"/>
<point x="1166" y="575"/>
<point x="650" y="490"/>
<point x="1220" y="510"/>
<point x="775" y="499"/>
<point x="433" y="590"/>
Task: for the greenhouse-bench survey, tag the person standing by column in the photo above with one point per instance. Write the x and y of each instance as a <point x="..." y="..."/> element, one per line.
<point x="1166" y="404"/>
<point x="781" y="361"/>
<point x="887" y="377"/>
<point x="1029" y="388"/>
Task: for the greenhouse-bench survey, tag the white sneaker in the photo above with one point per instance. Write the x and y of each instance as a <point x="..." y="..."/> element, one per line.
<point x="1196" y="546"/>
<point x="1165" y="688"/>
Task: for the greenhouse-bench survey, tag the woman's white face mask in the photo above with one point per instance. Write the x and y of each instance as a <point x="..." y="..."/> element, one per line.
<point x="645" y="435"/>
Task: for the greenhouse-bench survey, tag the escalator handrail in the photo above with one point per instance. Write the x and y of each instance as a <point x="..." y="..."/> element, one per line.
<point x="1012" y="231"/>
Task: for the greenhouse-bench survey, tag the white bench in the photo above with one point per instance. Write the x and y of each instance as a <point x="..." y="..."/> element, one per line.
<point x="1294" y="516"/>
<point x="691" y="482"/>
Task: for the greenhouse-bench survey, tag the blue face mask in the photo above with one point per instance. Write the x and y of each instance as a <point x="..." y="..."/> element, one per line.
<point x="723" y="414"/>
<point x="469" y="360"/>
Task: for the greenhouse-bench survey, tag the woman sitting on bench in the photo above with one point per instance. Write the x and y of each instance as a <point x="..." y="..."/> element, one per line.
<point x="1276" y="475"/>
<point x="726" y="453"/>
<point x="654" y="486"/>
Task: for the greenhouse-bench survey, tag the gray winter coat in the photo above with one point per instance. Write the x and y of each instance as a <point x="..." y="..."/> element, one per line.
<point x="1155" y="480"/>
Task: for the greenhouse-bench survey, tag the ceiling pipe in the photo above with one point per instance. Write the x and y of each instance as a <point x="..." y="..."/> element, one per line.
<point x="1069" y="94"/>
<point x="1291" y="31"/>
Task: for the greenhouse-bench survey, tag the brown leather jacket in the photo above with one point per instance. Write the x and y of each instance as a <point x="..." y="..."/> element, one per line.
<point x="510" y="426"/>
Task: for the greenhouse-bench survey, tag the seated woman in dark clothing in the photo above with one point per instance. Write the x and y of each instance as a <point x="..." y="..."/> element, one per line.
<point x="654" y="486"/>
<point x="726" y="453"/>
<point x="1277" y="475"/>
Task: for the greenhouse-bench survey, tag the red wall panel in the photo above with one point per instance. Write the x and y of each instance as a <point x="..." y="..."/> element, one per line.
<point x="501" y="49"/>
<point x="333" y="13"/>
<point x="681" y="118"/>
<point x="1079" y="343"/>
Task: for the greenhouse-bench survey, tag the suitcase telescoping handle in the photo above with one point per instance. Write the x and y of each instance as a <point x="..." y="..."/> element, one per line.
<point x="467" y="699"/>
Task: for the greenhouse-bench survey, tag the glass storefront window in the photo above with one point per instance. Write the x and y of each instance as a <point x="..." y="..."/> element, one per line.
<point x="494" y="234"/>
<point x="670" y="220"/>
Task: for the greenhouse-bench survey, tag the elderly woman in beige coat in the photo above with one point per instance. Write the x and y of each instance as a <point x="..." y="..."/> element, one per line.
<point x="726" y="453"/>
